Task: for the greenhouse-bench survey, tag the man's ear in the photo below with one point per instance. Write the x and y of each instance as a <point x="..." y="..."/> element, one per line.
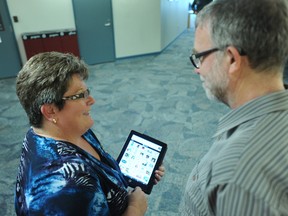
<point x="235" y="60"/>
<point x="48" y="111"/>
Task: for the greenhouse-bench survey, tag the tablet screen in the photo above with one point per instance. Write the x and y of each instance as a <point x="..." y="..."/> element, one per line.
<point x="139" y="158"/>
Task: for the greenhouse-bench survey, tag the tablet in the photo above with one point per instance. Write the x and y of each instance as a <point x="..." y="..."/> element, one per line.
<point x="140" y="156"/>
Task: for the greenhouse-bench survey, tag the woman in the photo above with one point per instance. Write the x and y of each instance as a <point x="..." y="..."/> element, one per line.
<point x="63" y="168"/>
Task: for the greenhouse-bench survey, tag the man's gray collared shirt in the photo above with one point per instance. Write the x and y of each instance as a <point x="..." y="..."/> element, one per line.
<point x="245" y="172"/>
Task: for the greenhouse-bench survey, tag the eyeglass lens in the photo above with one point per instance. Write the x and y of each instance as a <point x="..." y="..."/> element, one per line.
<point x="84" y="94"/>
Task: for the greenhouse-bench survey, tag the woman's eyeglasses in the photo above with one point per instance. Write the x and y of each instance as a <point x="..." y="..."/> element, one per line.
<point x="84" y="94"/>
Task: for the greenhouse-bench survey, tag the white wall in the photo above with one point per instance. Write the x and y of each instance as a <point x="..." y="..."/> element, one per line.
<point x="40" y="15"/>
<point x="136" y="27"/>
<point x="140" y="27"/>
<point x="174" y="18"/>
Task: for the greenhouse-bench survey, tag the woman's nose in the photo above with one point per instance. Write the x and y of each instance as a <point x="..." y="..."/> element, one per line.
<point x="90" y="100"/>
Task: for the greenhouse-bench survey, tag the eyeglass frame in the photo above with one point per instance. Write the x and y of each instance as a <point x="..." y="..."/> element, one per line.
<point x="207" y="52"/>
<point x="84" y="95"/>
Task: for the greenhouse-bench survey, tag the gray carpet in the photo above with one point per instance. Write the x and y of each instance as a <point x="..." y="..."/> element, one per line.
<point x="159" y="95"/>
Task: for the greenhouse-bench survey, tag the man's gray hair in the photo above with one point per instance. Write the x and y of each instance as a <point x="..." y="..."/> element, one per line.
<point x="257" y="27"/>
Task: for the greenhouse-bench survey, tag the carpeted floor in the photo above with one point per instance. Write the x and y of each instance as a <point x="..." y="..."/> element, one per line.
<point x="157" y="94"/>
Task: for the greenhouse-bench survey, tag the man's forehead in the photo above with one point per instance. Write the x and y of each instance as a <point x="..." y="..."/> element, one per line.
<point x="202" y="38"/>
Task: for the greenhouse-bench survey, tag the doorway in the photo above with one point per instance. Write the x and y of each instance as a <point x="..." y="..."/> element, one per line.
<point x="94" y="25"/>
<point x="10" y="62"/>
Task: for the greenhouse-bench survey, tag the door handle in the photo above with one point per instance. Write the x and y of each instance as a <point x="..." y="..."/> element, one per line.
<point x="108" y="23"/>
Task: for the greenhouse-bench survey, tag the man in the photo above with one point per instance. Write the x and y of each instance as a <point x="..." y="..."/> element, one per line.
<point x="197" y="5"/>
<point x="240" y="51"/>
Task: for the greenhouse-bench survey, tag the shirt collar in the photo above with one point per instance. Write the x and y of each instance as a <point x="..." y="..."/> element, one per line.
<point x="273" y="102"/>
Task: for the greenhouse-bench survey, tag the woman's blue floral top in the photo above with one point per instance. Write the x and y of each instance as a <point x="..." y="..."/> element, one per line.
<point x="58" y="178"/>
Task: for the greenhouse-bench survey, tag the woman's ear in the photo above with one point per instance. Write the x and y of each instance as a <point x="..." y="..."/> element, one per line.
<point x="48" y="111"/>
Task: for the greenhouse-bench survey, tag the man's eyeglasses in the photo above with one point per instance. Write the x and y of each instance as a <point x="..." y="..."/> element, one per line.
<point x="84" y="94"/>
<point x="197" y="58"/>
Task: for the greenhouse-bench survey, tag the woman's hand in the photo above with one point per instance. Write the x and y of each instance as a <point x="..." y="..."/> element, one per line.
<point x="159" y="174"/>
<point x="137" y="203"/>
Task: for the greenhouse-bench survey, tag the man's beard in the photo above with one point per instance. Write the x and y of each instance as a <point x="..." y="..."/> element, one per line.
<point x="216" y="89"/>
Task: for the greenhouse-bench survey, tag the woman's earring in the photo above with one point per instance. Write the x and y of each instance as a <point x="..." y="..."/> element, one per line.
<point x="54" y="121"/>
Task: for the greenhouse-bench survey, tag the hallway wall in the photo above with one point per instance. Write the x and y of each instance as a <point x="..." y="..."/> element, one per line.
<point x="174" y="17"/>
<point x="40" y="15"/>
<point x="140" y="27"/>
<point x="136" y="27"/>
